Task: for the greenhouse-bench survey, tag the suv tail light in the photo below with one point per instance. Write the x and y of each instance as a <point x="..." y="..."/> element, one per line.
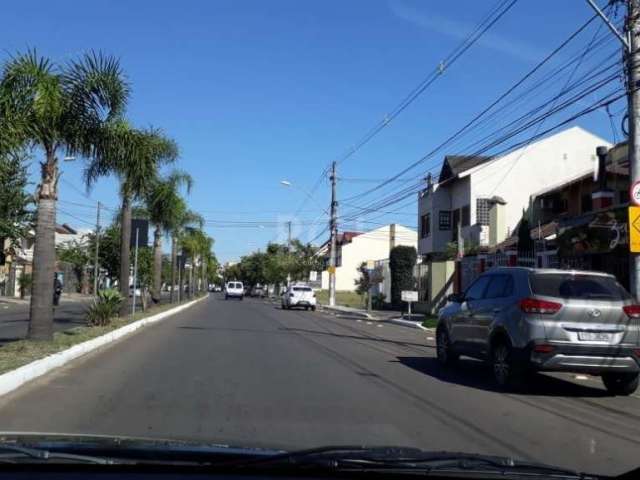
<point x="632" y="311"/>
<point x="534" y="305"/>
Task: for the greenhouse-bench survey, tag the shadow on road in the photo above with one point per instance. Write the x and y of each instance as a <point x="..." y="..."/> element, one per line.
<point x="358" y="337"/>
<point x="475" y="374"/>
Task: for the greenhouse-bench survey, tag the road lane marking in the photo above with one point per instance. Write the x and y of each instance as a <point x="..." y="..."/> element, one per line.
<point x="369" y="323"/>
<point x="379" y="325"/>
<point x="430" y="338"/>
<point x="581" y="377"/>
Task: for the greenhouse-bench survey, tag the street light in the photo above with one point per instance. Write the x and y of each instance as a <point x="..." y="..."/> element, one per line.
<point x="287" y="183"/>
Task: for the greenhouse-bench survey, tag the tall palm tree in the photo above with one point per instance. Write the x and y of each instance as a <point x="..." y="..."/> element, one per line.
<point x="134" y="156"/>
<point x="57" y="109"/>
<point x="184" y="219"/>
<point x="163" y="202"/>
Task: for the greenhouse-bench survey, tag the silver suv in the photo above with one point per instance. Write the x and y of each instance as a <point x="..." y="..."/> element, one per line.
<point x="521" y="319"/>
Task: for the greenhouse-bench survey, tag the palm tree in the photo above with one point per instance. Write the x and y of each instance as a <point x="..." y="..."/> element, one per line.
<point x="57" y="109"/>
<point x="184" y="220"/>
<point x="163" y="202"/>
<point x="134" y="156"/>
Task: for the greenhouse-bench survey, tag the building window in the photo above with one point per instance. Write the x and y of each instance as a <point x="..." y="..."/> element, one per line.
<point x="482" y="211"/>
<point x="586" y="205"/>
<point x="466" y="216"/>
<point x="425" y="225"/>
<point x="444" y="220"/>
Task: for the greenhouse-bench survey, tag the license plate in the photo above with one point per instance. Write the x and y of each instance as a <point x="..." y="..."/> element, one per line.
<point x="594" y="336"/>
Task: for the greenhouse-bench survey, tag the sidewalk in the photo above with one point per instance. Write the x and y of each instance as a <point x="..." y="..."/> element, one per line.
<point x="375" y="315"/>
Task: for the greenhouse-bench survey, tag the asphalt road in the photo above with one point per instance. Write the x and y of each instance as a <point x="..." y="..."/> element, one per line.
<point x="248" y="373"/>
<point x="14" y="317"/>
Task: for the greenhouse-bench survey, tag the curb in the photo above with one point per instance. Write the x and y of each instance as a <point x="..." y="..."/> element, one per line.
<point x="14" y="379"/>
<point x="407" y="323"/>
<point x="348" y="314"/>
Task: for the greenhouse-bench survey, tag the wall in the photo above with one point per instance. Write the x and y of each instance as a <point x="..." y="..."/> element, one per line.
<point x="517" y="175"/>
<point x="373" y="245"/>
<point x="449" y="196"/>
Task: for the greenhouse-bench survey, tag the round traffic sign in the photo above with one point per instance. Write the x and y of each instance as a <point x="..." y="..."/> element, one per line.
<point x="634" y="193"/>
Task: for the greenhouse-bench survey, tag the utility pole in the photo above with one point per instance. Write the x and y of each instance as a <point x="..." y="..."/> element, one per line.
<point x="96" y="266"/>
<point x="135" y="276"/>
<point x="334" y="234"/>
<point x="631" y="55"/>
<point x="289" y="249"/>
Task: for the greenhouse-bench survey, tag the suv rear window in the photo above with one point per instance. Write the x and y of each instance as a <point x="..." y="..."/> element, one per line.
<point x="301" y="289"/>
<point x="566" y="285"/>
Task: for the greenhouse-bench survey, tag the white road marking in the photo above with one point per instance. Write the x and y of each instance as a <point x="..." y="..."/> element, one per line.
<point x="358" y="320"/>
<point x="379" y="325"/>
<point x="430" y="338"/>
<point x="368" y="323"/>
<point x="581" y="377"/>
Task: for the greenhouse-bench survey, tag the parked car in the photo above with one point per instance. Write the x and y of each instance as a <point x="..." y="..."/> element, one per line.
<point x="521" y="319"/>
<point x="299" y="296"/>
<point x="258" y="292"/>
<point x="234" y="290"/>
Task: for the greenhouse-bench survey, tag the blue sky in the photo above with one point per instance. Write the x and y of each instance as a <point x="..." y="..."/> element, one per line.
<point x="259" y="91"/>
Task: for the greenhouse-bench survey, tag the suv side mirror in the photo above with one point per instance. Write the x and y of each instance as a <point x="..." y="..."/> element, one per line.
<point x="456" y="297"/>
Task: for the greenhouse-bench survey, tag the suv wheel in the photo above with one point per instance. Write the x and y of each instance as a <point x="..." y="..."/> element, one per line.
<point x="508" y="372"/>
<point x="620" y="383"/>
<point x="446" y="356"/>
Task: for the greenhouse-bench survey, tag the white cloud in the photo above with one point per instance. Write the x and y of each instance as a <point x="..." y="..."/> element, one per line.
<point x="460" y="30"/>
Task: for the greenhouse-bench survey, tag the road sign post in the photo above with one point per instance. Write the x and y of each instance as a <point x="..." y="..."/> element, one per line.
<point x="634" y="229"/>
<point x="409" y="296"/>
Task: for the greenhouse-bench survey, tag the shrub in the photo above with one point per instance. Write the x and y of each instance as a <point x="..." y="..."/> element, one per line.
<point x="104" y="308"/>
<point x="377" y="301"/>
<point x="401" y="262"/>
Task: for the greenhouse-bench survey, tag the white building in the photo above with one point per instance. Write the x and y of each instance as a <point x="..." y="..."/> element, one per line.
<point x="354" y="248"/>
<point x="487" y="195"/>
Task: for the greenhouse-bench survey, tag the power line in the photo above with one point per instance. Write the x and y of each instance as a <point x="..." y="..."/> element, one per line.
<point x="495" y="13"/>
<point x="478" y="116"/>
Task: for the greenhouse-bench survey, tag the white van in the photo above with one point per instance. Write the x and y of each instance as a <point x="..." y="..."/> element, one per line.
<point x="234" y="290"/>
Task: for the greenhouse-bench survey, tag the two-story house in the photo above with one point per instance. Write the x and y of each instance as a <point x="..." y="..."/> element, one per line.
<point x="486" y="195"/>
<point x="354" y="248"/>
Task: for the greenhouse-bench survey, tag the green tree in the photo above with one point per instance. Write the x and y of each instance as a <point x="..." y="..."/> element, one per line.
<point x="109" y="251"/>
<point x="184" y="218"/>
<point x="134" y="156"/>
<point x="525" y="242"/>
<point x="162" y="201"/>
<point x="78" y="255"/>
<point x="57" y="108"/>
<point x="16" y="217"/>
<point x="402" y="259"/>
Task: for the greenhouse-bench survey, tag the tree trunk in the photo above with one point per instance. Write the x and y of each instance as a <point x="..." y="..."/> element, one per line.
<point x="157" y="265"/>
<point x="44" y="254"/>
<point x="205" y="282"/>
<point x="174" y="269"/>
<point x="181" y="279"/>
<point x="84" y="281"/>
<point x="191" y="286"/>
<point x="125" y="252"/>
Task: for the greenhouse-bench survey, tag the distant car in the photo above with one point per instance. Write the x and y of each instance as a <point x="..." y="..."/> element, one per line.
<point x="522" y="319"/>
<point x="234" y="290"/>
<point x="299" y="296"/>
<point x="138" y="291"/>
<point x="257" y="292"/>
